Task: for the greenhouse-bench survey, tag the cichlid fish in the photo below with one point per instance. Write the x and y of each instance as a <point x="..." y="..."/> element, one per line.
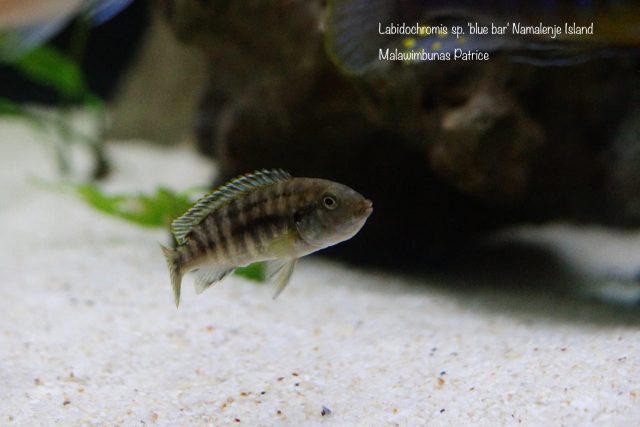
<point x="265" y="216"/>
<point x="361" y="34"/>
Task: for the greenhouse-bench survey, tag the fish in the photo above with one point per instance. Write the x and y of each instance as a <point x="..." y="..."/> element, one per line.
<point x="25" y="24"/>
<point x="360" y="34"/>
<point x="267" y="215"/>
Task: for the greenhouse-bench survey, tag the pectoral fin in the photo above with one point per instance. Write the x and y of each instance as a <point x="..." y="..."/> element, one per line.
<point x="282" y="247"/>
<point x="278" y="273"/>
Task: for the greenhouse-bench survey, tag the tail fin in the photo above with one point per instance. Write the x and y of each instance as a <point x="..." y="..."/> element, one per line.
<point x="174" y="271"/>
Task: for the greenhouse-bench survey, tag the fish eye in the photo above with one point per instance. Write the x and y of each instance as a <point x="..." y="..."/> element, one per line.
<point x="330" y="201"/>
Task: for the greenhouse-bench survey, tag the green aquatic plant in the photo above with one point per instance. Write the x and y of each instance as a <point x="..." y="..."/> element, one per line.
<point x="255" y="272"/>
<point x="58" y="71"/>
<point x="155" y="210"/>
<point x="49" y="67"/>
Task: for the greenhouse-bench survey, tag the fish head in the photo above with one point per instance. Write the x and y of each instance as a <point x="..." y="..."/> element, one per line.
<point x="332" y="213"/>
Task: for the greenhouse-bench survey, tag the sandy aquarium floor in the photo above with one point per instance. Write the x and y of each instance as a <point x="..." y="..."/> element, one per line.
<point x="89" y="334"/>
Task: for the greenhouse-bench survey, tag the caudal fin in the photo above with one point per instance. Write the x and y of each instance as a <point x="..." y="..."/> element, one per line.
<point x="174" y="271"/>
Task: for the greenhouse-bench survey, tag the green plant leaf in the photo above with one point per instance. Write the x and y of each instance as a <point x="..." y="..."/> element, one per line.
<point x="157" y="210"/>
<point x="255" y="272"/>
<point x="51" y="68"/>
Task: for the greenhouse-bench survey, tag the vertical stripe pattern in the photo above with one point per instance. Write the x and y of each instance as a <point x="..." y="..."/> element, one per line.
<point x="244" y="228"/>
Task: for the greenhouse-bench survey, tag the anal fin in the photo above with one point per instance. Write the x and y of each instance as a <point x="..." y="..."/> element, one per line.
<point x="208" y="275"/>
<point x="279" y="273"/>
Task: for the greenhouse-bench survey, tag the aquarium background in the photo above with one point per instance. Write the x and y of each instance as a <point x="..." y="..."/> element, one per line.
<point x="496" y="281"/>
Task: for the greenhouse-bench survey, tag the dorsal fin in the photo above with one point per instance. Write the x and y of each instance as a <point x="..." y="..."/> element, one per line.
<point x="243" y="184"/>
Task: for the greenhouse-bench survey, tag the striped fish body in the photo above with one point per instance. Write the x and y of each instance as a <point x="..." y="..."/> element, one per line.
<point x="267" y="216"/>
<point x="258" y="226"/>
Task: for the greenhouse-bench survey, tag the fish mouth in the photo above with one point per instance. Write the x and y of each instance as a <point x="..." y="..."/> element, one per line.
<point x="367" y="207"/>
